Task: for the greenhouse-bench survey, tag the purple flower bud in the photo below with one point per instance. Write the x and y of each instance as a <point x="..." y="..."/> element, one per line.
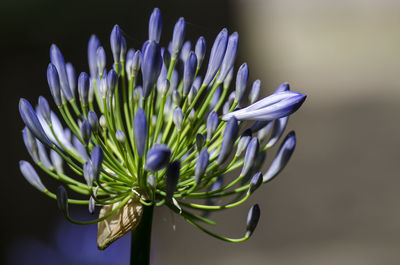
<point x="102" y="86"/>
<point x="71" y="75"/>
<point x="259" y="161"/>
<point x="91" y="90"/>
<point x="243" y="142"/>
<point x="112" y="80"/>
<point x="101" y="59"/>
<point x="97" y="158"/>
<point x="263" y="132"/>
<point x="129" y="57"/>
<point x="83" y="88"/>
<point x="212" y="124"/>
<point x="54" y="83"/>
<point x="186" y="49"/>
<point x="144" y="46"/>
<point x="57" y="60"/>
<point x="85" y="131"/>
<point x="178" y="36"/>
<point x="171" y="181"/>
<point x="137" y="61"/>
<point x="103" y="122"/>
<point x="123" y="49"/>
<point x="140" y="131"/>
<point x="30" y="144"/>
<point x="282" y="157"/>
<point x="229" y="58"/>
<point x="252" y="219"/>
<point x="226" y="108"/>
<point x="215" y="98"/>
<point x="152" y="181"/>
<point x="93" y="45"/>
<point x="215" y="186"/>
<point x="230" y="135"/>
<point x="162" y="77"/>
<point x="228" y="78"/>
<point x="115" y="41"/>
<point x="216" y="56"/>
<point x="31" y="121"/>
<point x="258" y="125"/>
<point x="283" y="87"/>
<point x="155" y="25"/>
<point x="44" y="109"/>
<point x="43" y="157"/>
<point x="166" y="57"/>
<point x="80" y="148"/>
<point x="241" y="82"/>
<point x="163" y="86"/>
<point x="201" y="165"/>
<point x="31" y="176"/>
<point x="277" y="131"/>
<point x="272" y="107"/>
<point x="231" y="98"/>
<point x="255" y="182"/>
<point x="192" y="94"/>
<point x="88" y="173"/>
<point x="129" y="64"/>
<point x="200" y="140"/>
<point x="200" y="50"/>
<point x="120" y="137"/>
<point x="177" y="118"/>
<point x="197" y="82"/>
<point x="251" y="152"/>
<point x="189" y="72"/>
<point x="176" y="97"/>
<point x="67" y="134"/>
<point x="255" y="91"/>
<point x="192" y="115"/>
<point x="92" y="205"/>
<point x="157" y="157"/>
<point x="93" y="121"/>
<point x="57" y="161"/>
<point x="151" y="67"/>
<point x="62" y="200"/>
<point x="174" y="80"/>
<point x="138" y="94"/>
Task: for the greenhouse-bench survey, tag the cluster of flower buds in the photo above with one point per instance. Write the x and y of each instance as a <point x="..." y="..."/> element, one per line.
<point x="157" y="128"/>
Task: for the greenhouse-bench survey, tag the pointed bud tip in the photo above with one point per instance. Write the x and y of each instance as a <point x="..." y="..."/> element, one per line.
<point x="252" y="219"/>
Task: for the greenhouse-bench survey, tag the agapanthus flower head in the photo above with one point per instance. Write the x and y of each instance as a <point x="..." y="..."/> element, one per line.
<point x="169" y="138"/>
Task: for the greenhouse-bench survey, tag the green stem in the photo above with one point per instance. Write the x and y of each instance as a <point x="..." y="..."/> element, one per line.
<point x="141" y="238"/>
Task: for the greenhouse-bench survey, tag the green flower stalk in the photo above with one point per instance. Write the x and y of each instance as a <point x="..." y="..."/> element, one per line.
<point x="151" y="132"/>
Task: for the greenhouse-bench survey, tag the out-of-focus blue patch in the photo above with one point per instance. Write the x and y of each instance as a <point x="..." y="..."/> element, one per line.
<point x="71" y="245"/>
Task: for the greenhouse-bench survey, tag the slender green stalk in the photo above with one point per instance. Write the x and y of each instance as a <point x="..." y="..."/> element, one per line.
<point x="141" y="238"/>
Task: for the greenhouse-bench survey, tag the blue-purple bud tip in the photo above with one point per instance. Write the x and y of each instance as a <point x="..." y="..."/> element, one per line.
<point x="31" y="120"/>
<point x="31" y="176"/>
<point x="282" y="157"/>
<point x="201" y="165"/>
<point x="230" y="135"/>
<point x="255" y="182"/>
<point x="252" y="219"/>
<point x="157" y="157"/>
<point x="216" y="56"/>
<point x="171" y="181"/>
<point x="155" y="26"/>
<point x="62" y="200"/>
<point x="140" y="131"/>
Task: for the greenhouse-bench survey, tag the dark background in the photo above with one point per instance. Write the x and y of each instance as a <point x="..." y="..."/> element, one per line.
<point x="28" y="28"/>
<point x="338" y="200"/>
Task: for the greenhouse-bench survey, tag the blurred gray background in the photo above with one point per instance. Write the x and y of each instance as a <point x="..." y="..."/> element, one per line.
<point x="337" y="202"/>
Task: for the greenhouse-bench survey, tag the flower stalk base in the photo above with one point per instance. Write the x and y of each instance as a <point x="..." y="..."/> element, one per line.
<point x="141" y="239"/>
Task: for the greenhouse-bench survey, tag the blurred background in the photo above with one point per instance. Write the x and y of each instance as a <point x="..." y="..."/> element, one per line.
<point x="337" y="202"/>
